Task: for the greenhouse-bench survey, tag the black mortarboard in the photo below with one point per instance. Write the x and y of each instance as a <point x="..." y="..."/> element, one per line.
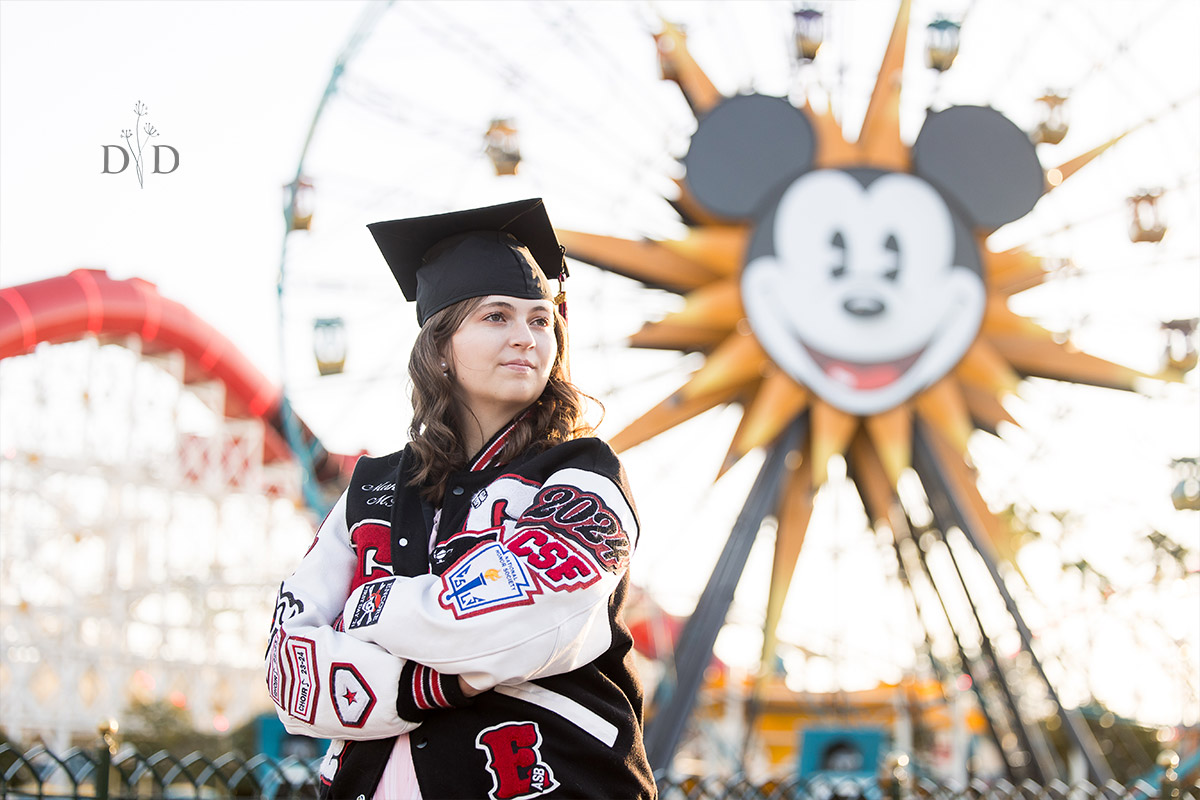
<point x="509" y="249"/>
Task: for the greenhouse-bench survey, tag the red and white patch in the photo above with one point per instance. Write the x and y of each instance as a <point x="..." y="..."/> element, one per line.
<point x="372" y="542"/>
<point x="582" y="517"/>
<point x="333" y="760"/>
<point x="275" y="679"/>
<point x="304" y="684"/>
<point x="553" y="560"/>
<point x="351" y="696"/>
<point x="514" y="760"/>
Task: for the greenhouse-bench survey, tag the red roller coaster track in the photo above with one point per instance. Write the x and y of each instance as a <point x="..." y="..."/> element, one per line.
<point x="88" y="302"/>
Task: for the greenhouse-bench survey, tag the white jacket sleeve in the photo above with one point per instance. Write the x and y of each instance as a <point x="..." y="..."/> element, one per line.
<point x="324" y="682"/>
<point x="532" y="603"/>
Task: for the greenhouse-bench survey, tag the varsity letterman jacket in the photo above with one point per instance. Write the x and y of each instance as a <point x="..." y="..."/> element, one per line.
<point x="517" y="584"/>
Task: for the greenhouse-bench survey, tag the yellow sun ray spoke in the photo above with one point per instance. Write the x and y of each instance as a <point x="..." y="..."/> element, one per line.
<point x="1012" y="271"/>
<point x="708" y="316"/>
<point x="832" y="148"/>
<point x="1003" y="539"/>
<point x="697" y="88"/>
<point x="775" y="404"/>
<point x="650" y="262"/>
<point x="985" y="408"/>
<point x="717" y="304"/>
<point x="688" y="337"/>
<point x="944" y="408"/>
<point x="984" y="367"/>
<point x="1056" y="176"/>
<point x="673" y="411"/>
<point x="999" y="320"/>
<point x="891" y="434"/>
<point x="880" y="138"/>
<point x="736" y="360"/>
<point x="832" y="430"/>
<point x="795" y="511"/>
<point x="717" y="248"/>
<point x="1045" y="358"/>
<point x="875" y="487"/>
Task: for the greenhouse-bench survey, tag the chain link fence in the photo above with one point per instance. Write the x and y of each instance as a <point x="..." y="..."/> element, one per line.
<point x="128" y="775"/>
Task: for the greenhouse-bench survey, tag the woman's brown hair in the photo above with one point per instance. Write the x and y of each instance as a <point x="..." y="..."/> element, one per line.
<point x="556" y="416"/>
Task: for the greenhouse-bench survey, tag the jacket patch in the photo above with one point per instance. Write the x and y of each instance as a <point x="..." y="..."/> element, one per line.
<point x="486" y="579"/>
<point x="583" y="517"/>
<point x="287" y="605"/>
<point x="372" y="543"/>
<point x="333" y="760"/>
<point x="352" y="697"/>
<point x="370" y="603"/>
<point x="457" y="546"/>
<point x="302" y="658"/>
<point x="553" y="559"/>
<point x="275" y="668"/>
<point x="514" y="760"/>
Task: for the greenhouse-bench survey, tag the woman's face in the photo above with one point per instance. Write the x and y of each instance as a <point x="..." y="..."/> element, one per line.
<point x="501" y="356"/>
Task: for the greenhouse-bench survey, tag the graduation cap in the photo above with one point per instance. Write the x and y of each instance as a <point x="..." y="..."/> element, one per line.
<point x="509" y="249"/>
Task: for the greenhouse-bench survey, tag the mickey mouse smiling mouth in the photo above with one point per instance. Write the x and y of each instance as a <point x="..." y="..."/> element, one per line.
<point x="859" y="375"/>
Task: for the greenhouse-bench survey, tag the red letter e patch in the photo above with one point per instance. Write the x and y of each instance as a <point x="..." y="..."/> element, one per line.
<point x="515" y="761"/>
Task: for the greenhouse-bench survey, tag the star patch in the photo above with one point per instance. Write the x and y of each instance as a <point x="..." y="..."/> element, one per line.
<point x="352" y="697"/>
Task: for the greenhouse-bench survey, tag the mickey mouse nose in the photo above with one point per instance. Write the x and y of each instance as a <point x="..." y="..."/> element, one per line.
<point x="864" y="306"/>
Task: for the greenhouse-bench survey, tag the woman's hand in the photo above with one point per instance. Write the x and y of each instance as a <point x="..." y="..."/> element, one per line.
<point x="468" y="689"/>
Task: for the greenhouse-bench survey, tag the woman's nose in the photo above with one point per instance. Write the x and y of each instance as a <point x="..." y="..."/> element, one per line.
<point x="523" y="335"/>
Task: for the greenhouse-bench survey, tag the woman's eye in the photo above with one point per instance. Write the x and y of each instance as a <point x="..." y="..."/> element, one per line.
<point x="494" y="316"/>
<point x="542" y="321"/>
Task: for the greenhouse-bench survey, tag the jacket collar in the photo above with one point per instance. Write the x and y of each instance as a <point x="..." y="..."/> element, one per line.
<point x="489" y="455"/>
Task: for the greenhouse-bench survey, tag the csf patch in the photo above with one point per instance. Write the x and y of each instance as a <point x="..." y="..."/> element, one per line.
<point x="486" y="579"/>
<point x="370" y="603"/>
<point x="553" y="559"/>
<point x="514" y="760"/>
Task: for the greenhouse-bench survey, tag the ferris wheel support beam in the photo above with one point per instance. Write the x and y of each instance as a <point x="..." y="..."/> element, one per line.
<point x="947" y="505"/>
<point x="972" y="670"/>
<point x="1030" y="736"/>
<point x="693" y="653"/>
<point x="883" y="505"/>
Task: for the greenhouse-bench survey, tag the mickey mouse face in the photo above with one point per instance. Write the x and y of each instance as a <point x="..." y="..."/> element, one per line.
<point x="863" y="284"/>
<point x="853" y="286"/>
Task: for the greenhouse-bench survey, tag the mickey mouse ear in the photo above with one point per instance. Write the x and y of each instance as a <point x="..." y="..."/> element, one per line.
<point x="744" y="148"/>
<point x="982" y="160"/>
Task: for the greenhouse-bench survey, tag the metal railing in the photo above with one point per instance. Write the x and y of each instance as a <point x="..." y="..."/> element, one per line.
<point x="126" y="774"/>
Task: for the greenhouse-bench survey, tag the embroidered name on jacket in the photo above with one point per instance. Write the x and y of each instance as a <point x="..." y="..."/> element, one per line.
<point x="489" y="577"/>
<point x="582" y="517"/>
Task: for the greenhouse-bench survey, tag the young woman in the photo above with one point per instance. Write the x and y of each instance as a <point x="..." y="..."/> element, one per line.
<point x="456" y="626"/>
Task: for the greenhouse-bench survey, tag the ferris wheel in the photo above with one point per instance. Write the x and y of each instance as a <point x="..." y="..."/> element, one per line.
<point x="664" y="139"/>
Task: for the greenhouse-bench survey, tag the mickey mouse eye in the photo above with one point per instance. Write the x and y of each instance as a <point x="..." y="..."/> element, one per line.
<point x="838" y="242"/>
<point x="893" y="246"/>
